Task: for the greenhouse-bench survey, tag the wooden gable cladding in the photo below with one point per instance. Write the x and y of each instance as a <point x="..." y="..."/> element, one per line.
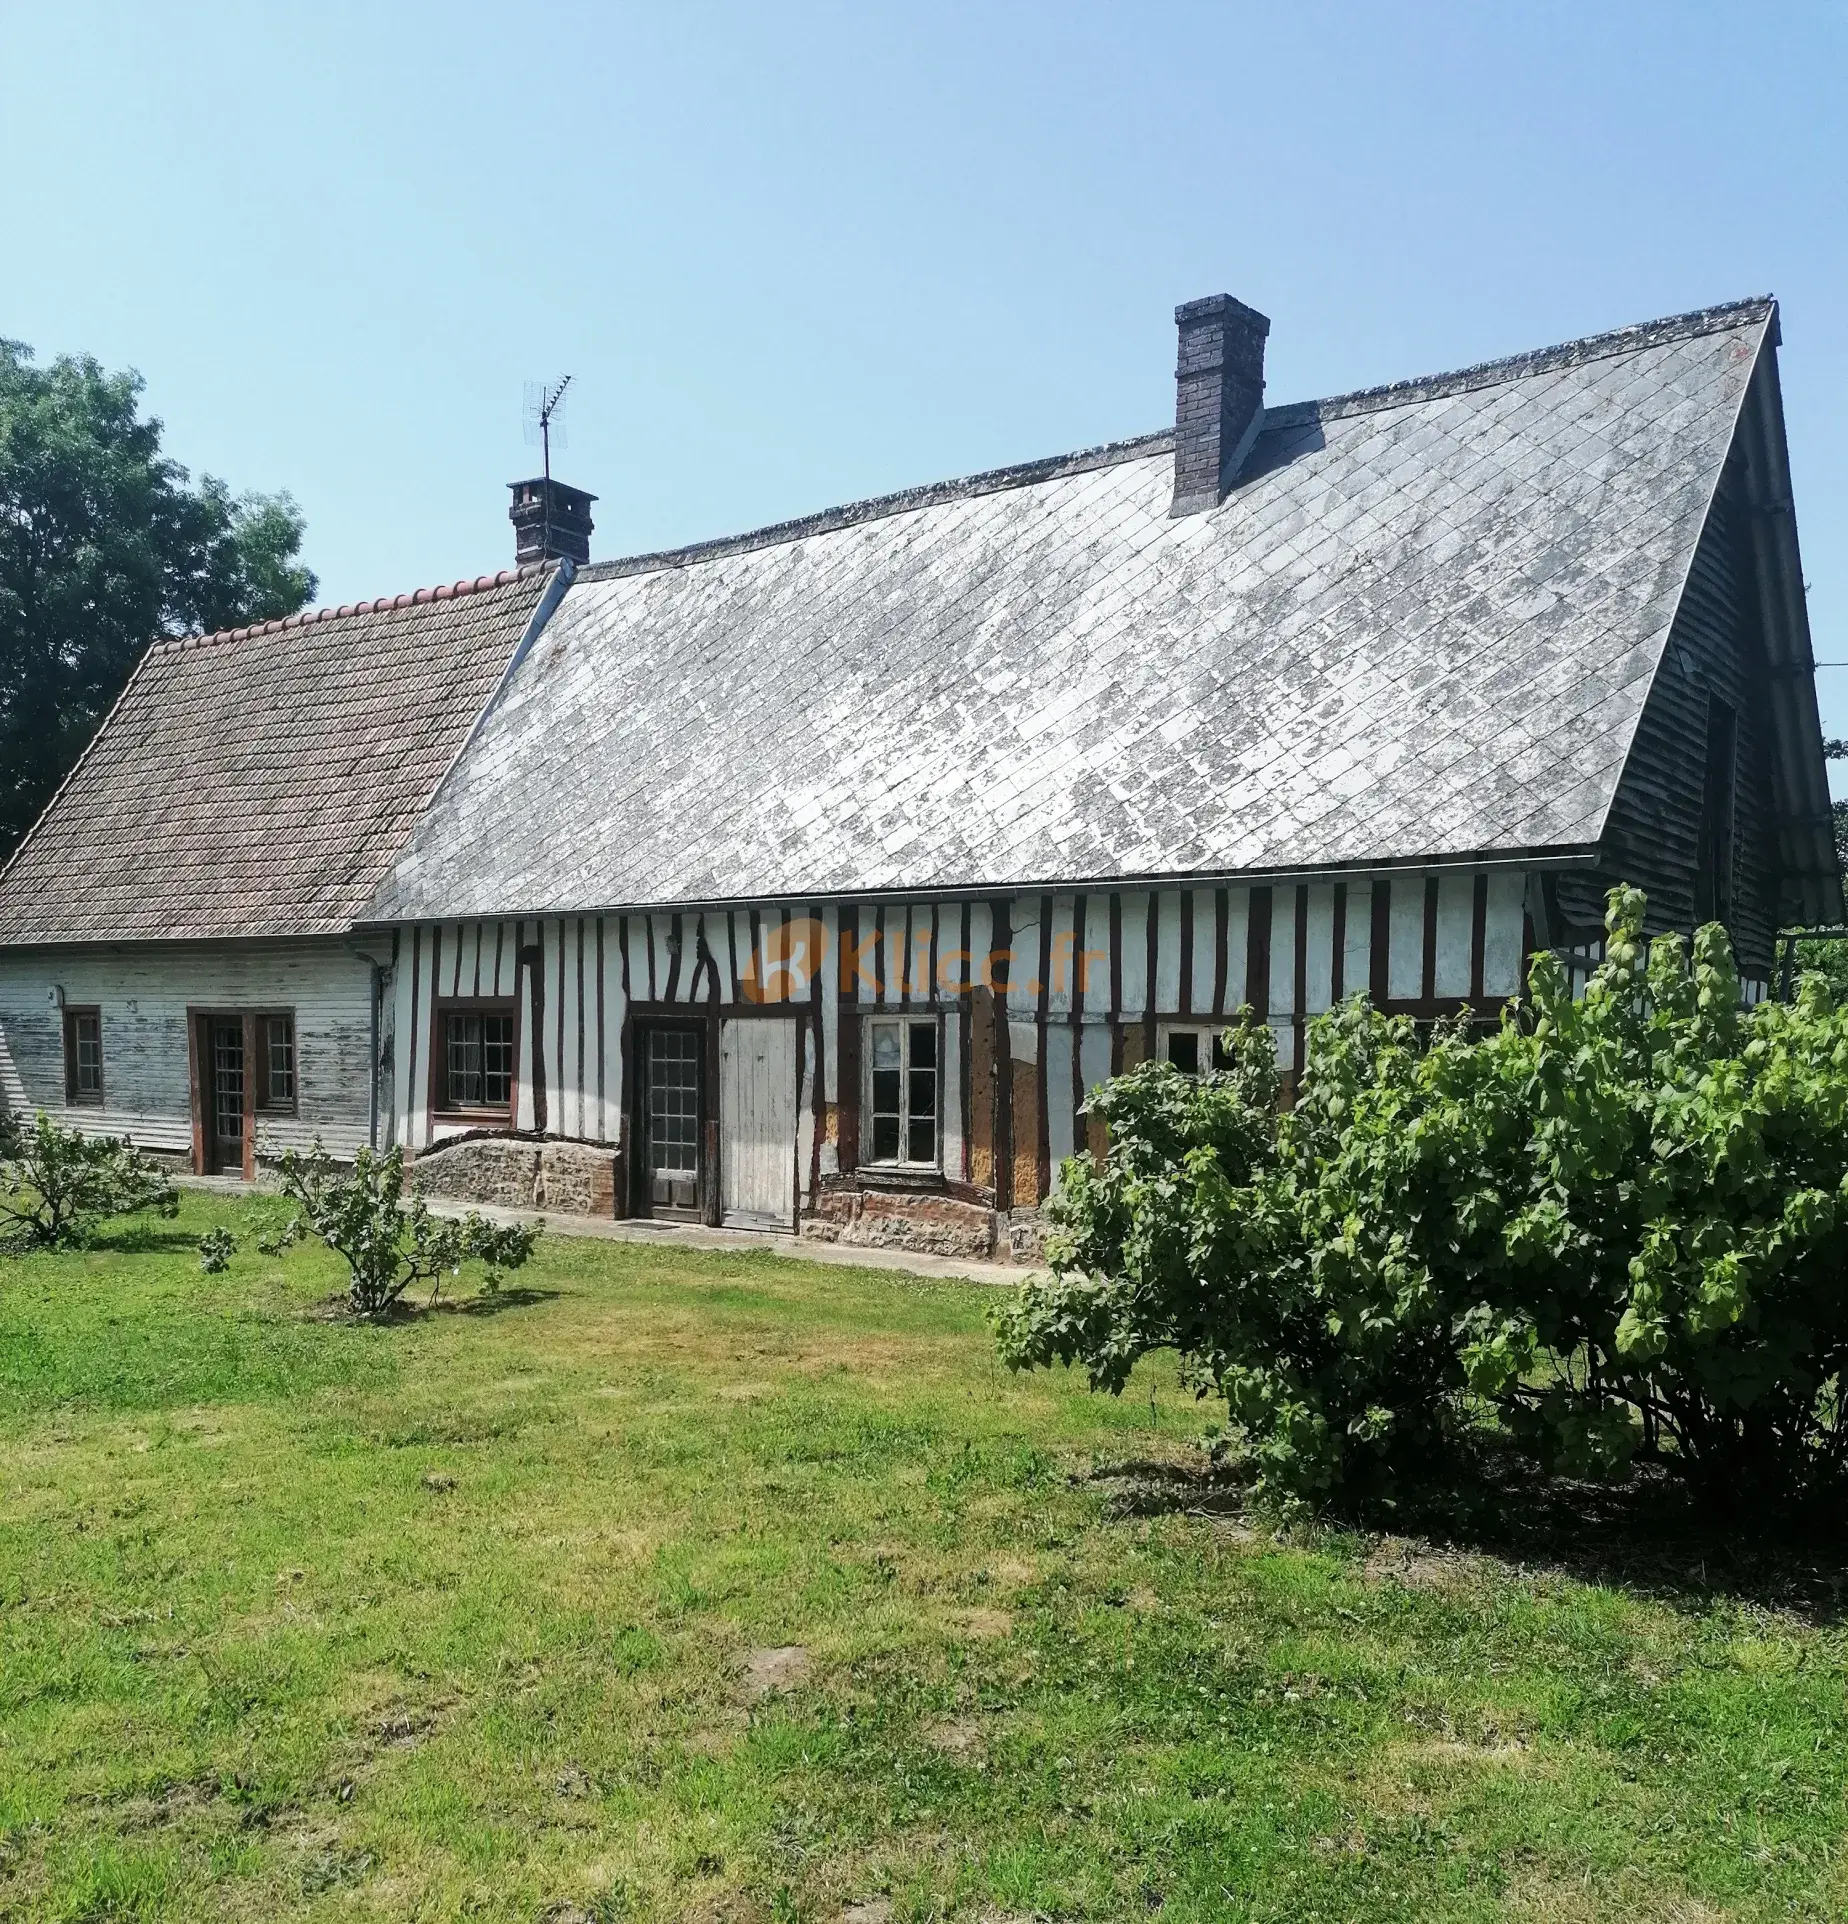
<point x="1717" y="656"/>
<point x="1038" y="996"/>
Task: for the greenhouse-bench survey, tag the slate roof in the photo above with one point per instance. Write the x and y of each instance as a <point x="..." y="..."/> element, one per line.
<point x="1422" y="624"/>
<point x="259" y="781"/>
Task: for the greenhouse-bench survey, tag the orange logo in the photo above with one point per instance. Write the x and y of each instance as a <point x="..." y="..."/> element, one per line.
<point x="785" y="962"/>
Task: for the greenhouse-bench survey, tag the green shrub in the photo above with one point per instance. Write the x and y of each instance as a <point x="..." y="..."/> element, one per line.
<point x="57" y="1185"/>
<point x="216" y="1248"/>
<point x="388" y="1245"/>
<point x="1619" y="1223"/>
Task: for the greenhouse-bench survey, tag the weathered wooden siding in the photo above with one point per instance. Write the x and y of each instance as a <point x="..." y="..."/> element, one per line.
<point x="1043" y="995"/>
<point x="1653" y="839"/>
<point x="144" y="993"/>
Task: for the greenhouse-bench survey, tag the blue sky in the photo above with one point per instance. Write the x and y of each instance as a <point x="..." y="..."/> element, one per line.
<point x="801" y="254"/>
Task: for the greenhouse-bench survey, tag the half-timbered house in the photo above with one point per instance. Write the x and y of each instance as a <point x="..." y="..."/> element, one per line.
<point x="809" y="879"/>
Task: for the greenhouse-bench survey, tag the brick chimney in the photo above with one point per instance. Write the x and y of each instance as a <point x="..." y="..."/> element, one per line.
<point x="1218" y="398"/>
<point x="550" y="521"/>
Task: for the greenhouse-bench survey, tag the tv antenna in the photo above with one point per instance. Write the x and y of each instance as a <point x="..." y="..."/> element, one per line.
<point x="545" y="416"/>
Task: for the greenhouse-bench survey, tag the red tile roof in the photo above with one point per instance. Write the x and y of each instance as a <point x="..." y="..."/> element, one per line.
<point x="445" y="591"/>
<point x="260" y="781"/>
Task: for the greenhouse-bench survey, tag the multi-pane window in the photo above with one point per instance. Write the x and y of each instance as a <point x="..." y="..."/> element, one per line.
<point x="477" y="1059"/>
<point x="903" y="1092"/>
<point x="1193" y="1051"/>
<point x="276" y="1062"/>
<point x="83" y="1055"/>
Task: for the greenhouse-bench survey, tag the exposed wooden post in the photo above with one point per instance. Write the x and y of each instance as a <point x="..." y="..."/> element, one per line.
<point x="250" y="1098"/>
<point x="199" y="1064"/>
<point x="532" y="960"/>
<point x="709" y="1173"/>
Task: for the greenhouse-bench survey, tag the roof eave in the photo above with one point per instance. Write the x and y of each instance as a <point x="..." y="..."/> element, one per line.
<point x="1553" y="856"/>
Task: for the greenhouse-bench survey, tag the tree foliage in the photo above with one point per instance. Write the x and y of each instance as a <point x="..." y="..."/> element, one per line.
<point x="1619" y="1223"/>
<point x="57" y="1185"/>
<point x="105" y="545"/>
<point x="389" y="1246"/>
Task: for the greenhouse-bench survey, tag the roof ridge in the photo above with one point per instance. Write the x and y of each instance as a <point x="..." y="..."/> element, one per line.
<point x="1589" y="347"/>
<point x="381" y="604"/>
<point x="876" y="507"/>
<point x="1539" y="360"/>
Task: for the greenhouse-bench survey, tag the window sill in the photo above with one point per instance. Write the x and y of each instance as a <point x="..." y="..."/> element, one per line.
<point x="917" y="1177"/>
<point x="83" y="1102"/>
<point x="474" y="1118"/>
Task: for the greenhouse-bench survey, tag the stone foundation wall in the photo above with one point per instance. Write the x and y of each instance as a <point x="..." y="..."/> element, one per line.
<point x="1025" y="1242"/>
<point x="579" y="1179"/>
<point x="934" y="1225"/>
<point x="878" y="1219"/>
<point x="517" y="1172"/>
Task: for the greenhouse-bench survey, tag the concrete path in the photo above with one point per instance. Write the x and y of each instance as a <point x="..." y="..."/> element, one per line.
<point x="797" y="1249"/>
<point x="794" y="1249"/>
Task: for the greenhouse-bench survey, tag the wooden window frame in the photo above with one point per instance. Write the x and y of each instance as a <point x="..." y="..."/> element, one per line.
<point x="74" y="1097"/>
<point x="476" y="1115"/>
<point x="871" y="1019"/>
<point x="265" y="1103"/>
<point x="1209" y="1034"/>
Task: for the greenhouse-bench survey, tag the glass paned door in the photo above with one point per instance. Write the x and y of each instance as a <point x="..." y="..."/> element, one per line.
<point x="673" y="1119"/>
<point x="227" y="1092"/>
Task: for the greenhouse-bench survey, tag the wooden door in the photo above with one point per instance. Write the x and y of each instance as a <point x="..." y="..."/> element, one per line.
<point x="757" y="1122"/>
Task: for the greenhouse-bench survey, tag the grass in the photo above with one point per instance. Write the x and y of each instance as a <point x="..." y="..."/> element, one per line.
<point x="711" y="1586"/>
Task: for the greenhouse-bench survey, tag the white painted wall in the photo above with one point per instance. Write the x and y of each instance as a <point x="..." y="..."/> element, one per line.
<point x="624" y="960"/>
<point x="144" y="993"/>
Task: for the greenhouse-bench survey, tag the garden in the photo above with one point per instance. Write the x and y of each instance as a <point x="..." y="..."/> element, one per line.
<point x="1476" y="1560"/>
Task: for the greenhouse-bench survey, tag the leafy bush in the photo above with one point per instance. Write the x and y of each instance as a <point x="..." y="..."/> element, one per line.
<point x="1828" y="958"/>
<point x="216" y="1248"/>
<point x="57" y="1185"/>
<point x="388" y="1245"/>
<point x="1620" y="1224"/>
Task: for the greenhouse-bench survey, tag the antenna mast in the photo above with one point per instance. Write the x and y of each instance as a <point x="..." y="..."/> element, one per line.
<point x="544" y="407"/>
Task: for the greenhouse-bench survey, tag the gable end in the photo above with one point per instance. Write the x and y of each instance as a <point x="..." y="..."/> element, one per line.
<point x="1723" y="803"/>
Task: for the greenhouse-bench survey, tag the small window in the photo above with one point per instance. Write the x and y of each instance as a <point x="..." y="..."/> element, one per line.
<point x="1193" y="1050"/>
<point x="902" y="1096"/>
<point x="276" y="1064"/>
<point x="83" y="1055"/>
<point x="477" y="1059"/>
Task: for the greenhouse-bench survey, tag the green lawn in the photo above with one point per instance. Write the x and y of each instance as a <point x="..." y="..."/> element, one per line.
<point x="723" y="1587"/>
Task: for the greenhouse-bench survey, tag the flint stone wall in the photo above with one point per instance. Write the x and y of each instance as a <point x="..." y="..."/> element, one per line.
<point x="934" y="1225"/>
<point x="573" y="1178"/>
<point x="1025" y="1236"/>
